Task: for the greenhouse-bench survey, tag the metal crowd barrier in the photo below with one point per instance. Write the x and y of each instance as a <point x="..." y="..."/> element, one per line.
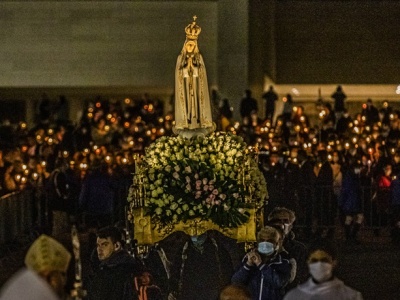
<point x="17" y="211"/>
<point x="326" y="213"/>
<point x="16" y="215"/>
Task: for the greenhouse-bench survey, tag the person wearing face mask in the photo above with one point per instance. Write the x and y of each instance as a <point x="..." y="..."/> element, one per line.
<point x="264" y="271"/>
<point x="296" y="250"/>
<point x="201" y="268"/>
<point x="322" y="284"/>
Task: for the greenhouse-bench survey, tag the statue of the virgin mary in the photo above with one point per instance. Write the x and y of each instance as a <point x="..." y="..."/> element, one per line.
<point x="192" y="99"/>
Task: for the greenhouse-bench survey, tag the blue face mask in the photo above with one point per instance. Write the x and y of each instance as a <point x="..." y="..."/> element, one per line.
<point x="266" y="248"/>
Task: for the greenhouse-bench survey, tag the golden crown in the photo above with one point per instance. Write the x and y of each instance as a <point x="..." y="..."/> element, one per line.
<point x="193" y="30"/>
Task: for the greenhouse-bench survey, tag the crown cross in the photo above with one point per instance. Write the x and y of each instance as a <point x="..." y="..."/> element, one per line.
<point x="193" y="30"/>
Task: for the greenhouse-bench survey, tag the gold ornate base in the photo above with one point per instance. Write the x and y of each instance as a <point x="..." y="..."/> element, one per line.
<point x="147" y="233"/>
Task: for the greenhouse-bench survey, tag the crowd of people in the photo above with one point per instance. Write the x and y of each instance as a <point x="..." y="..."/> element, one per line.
<point x="337" y="170"/>
<point x="277" y="267"/>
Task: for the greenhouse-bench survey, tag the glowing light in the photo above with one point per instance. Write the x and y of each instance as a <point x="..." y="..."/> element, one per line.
<point x="295" y="91"/>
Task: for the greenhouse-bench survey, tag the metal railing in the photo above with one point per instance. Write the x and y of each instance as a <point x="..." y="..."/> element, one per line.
<point x="16" y="215"/>
<point x="19" y="211"/>
<point x="324" y="210"/>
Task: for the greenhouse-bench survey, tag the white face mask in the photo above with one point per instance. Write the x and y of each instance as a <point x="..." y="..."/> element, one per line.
<point x="266" y="248"/>
<point x="320" y="271"/>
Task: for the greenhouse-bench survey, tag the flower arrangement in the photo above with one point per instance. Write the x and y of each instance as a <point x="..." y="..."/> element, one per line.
<point x="208" y="177"/>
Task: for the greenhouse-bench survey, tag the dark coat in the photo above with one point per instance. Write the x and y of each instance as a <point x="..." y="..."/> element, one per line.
<point x="98" y="193"/>
<point x="266" y="282"/>
<point x="395" y="192"/>
<point x="298" y="251"/>
<point x="114" y="278"/>
<point x="350" y="194"/>
<point x="204" y="272"/>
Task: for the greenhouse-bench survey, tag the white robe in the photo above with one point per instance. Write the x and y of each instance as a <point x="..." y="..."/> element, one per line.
<point x="330" y="290"/>
<point x="192" y="99"/>
<point x="27" y="285"/>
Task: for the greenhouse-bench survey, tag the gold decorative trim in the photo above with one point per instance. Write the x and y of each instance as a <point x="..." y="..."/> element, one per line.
<point x="146" y="232"/>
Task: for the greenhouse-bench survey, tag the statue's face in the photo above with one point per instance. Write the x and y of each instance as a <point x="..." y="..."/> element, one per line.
<point x="190" y="46"/>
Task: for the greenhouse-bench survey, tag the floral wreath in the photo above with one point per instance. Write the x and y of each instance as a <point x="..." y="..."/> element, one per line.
<point x="211" y="177"/>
